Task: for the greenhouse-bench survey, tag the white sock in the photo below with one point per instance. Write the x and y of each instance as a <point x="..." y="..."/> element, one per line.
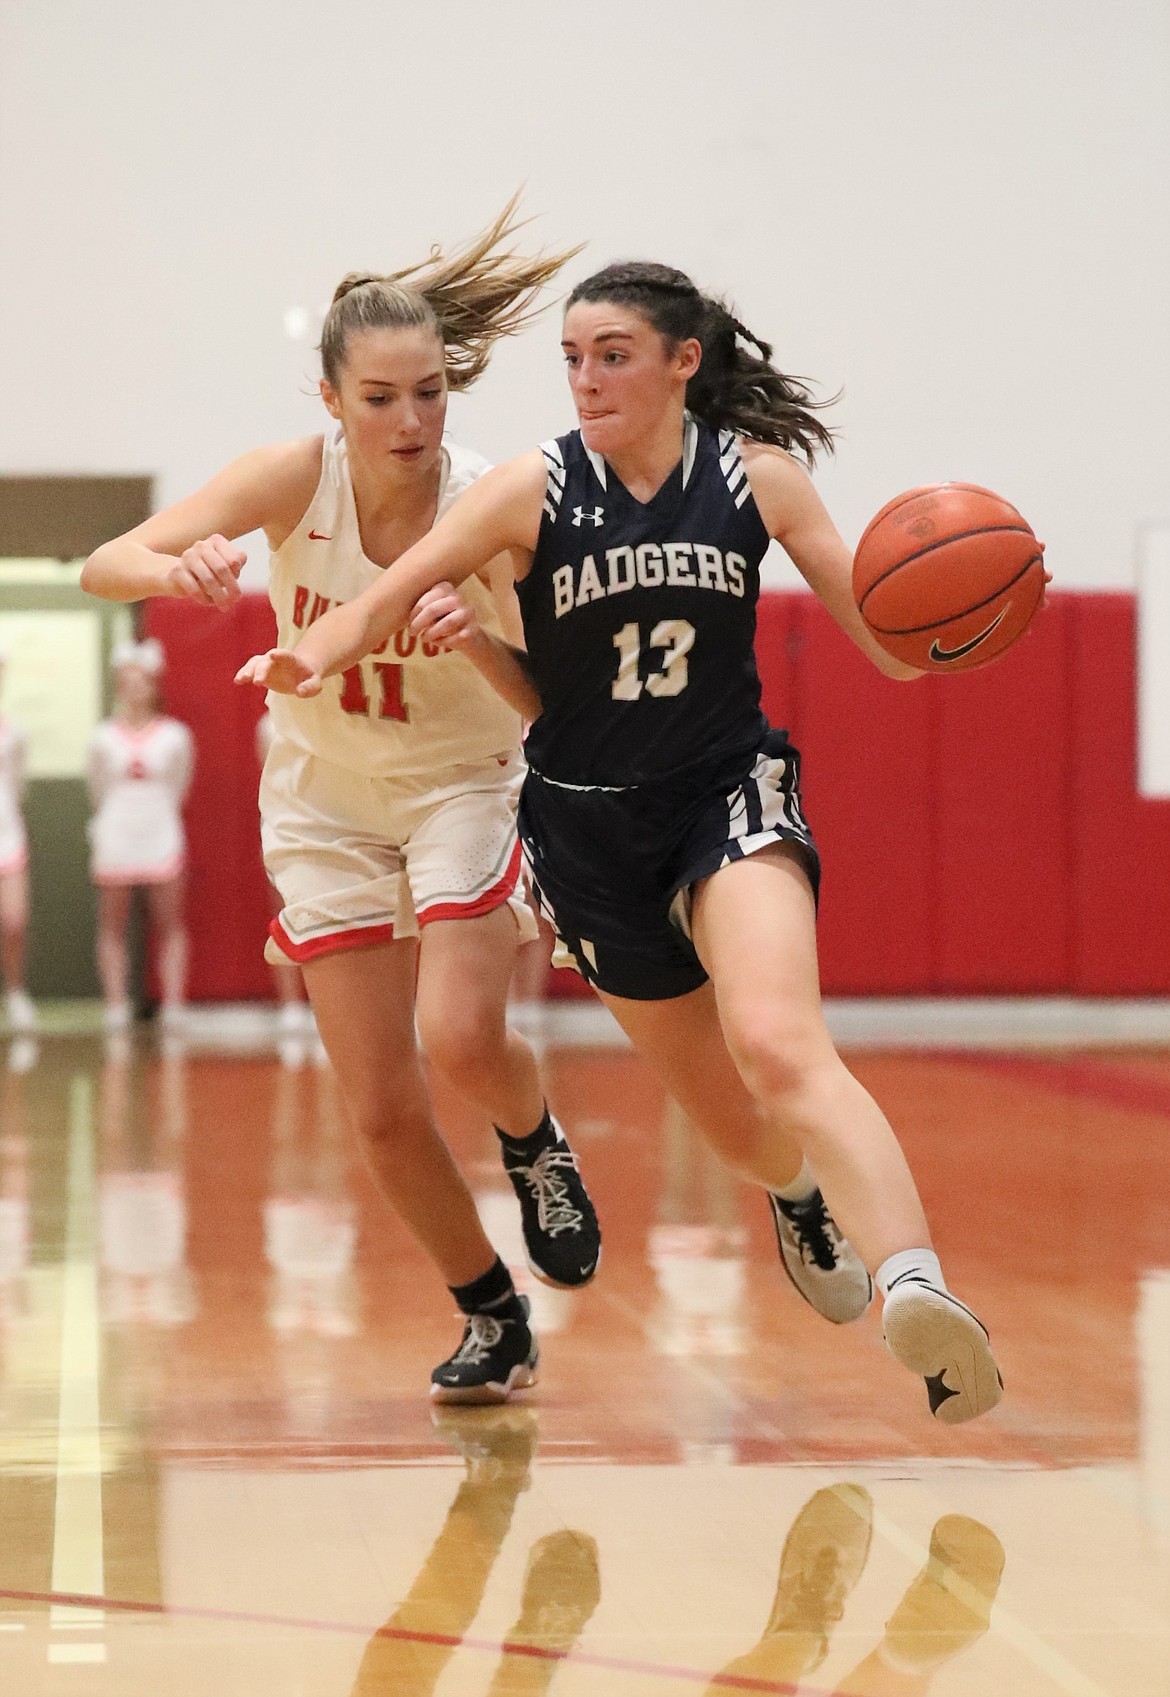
<point x="919" y="1264"/>
<point x="799" y="1188"/>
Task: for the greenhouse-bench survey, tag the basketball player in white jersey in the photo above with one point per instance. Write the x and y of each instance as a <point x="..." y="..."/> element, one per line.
<point x="22" y="1015"/>
<point x="139" y="771"/>
<point x="388" y="804"/>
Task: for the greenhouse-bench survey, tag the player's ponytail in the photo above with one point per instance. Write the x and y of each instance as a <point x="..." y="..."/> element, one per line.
<point x="736" y="386"/>
<point x="470" y="299"/>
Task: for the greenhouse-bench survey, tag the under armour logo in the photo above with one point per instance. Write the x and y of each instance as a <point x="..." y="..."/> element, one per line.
<point x="580" y="515"/>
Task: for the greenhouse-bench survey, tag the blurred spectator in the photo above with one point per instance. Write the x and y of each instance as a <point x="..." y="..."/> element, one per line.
<point x="22" y="1015"/>
<point x="140" y="765"/>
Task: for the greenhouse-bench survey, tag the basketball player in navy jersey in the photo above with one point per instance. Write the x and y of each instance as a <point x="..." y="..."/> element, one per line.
<point x="661" y="816"/>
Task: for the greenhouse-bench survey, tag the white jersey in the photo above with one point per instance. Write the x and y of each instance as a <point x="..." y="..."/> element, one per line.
<point x="138" y="777"/>
<point x="13" y="753"/>
<point x="406" y="709"/>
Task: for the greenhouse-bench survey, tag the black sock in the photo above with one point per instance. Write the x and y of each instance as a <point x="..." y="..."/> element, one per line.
<point x="492" y="1293"/>
<point x="545" y="1133"/>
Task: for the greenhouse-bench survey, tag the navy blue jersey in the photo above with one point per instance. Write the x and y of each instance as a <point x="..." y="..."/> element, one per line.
<point x="640" y="616"/>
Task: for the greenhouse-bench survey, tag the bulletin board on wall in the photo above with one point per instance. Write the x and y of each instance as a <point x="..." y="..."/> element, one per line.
<point x="57" y="686"/>
<point x="52" y="682"/>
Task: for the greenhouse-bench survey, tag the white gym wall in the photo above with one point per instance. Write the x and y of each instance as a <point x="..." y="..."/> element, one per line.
<point x="955" y="211"/>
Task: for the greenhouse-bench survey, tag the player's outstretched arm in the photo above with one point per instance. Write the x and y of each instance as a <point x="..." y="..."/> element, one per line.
<point x="795" y="515"/>
<point x="447" y="620"/>
<point x="188" y="550"/>
<point x="498" y="514"/>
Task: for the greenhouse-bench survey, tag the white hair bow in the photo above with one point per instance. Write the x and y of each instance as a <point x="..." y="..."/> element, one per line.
<point x="147" y="655"/>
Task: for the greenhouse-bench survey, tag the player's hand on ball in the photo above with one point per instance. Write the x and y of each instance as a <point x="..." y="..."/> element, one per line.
<point x="280" y="669"/>
<point x="207" y="571"/>
<point x="445" y="619"/>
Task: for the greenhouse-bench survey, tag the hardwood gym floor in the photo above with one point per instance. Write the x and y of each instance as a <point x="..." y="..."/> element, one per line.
<point x="221" y="1474"/>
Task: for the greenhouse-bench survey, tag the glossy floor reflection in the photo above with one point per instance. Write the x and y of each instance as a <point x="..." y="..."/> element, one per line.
<point x="221" y="1473"/>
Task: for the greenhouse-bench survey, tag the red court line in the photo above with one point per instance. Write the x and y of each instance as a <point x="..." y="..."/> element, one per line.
<point x="501" y="1647"/>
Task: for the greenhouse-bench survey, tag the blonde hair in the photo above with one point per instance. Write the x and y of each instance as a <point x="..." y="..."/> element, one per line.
<point x="470" y="300"/>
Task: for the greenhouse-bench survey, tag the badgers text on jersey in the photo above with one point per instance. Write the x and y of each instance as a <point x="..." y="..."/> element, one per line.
<point x="679" y="564"/>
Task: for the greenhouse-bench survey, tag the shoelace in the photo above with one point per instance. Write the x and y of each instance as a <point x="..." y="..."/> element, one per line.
<point x="814" y="1231"/>
<point x="554" y="1211"/>
<point x="481" y="1337"/>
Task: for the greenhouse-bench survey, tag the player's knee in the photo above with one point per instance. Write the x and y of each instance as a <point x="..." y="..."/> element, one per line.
<point x="777" y="1056"/>
<point x="384" y="1124"/>
<point x="463" y="1043"/>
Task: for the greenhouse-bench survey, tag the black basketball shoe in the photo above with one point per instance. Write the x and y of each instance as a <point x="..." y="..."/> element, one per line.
<point x="561" y="1236"/>
<point x="495" y="1358"/>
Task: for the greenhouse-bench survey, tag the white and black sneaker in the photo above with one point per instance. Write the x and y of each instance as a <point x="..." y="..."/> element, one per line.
<point x="822" y="1264"/>
<point x="562" y="1239"/>
<point x="936" y="1336"/>
<point x="496" y="1357"/>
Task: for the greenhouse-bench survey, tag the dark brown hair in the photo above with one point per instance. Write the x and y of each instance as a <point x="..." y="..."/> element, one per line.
<point x="734" y="388"/>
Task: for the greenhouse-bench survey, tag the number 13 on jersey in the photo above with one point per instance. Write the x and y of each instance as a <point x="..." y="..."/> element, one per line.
<point x="674" y="638"/>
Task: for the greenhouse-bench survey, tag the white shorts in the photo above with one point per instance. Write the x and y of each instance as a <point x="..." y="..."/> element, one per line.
<point x="136" y="837"/>
<point x="361" y="860"/>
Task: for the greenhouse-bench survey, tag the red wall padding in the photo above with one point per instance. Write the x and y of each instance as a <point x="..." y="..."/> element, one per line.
<point x="981" y="834"/>
<point x="865" y="752"/>
<point x="1119" y="843"/>
<point x="1000" y="792"/>
<point x="227" y="893"/>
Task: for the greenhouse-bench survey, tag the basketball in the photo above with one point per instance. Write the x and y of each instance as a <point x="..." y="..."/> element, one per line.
<point x="948" y="577"/>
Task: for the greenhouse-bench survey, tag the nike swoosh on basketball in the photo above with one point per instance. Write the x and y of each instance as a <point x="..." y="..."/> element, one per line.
<point x="318" y="536"/>
<point x="944" y="654"/>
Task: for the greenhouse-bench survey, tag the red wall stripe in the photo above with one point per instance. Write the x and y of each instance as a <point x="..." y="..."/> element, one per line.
<point x="980" y="834"/>
<point x="1119" y="841"/>
<point x="1001" y="791"/>
<point x="227" y="893"/>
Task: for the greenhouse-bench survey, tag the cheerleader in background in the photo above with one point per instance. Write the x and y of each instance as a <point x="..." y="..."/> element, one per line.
<point x="140" y="765"/>
<point x="22" y="1015"/>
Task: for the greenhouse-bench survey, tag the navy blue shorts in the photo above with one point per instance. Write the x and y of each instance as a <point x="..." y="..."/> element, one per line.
<point x="612" y="869"/>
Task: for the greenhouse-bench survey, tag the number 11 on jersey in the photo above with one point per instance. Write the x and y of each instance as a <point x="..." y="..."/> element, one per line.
<point x="355" y="698"/>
